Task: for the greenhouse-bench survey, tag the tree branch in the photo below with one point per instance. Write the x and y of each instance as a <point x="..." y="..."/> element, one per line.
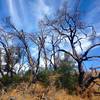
<point x="67" y="53"/>
<point x="86" y="52"/>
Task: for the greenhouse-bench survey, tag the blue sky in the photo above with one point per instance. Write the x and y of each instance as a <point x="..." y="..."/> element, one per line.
<point x="25" y="14"/>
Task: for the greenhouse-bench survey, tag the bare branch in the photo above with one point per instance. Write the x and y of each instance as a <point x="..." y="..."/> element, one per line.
<point x="88" y="50"/>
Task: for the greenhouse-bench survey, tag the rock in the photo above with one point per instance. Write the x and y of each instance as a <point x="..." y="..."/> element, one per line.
<point x="12" y="98"/>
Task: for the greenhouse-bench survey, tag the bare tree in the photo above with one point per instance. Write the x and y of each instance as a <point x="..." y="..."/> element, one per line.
<point x="11" y="54"/>
<point x="22" y="38"/>
<point x="54" y="42"/>
<point x="70" y="26"/>
<point x="39" y="41"/>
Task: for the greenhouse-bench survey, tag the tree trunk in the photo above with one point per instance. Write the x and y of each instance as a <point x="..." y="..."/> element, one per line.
<point x="81" y="74"/>
<point x="38" y="60"/>
<point x="1" y="73"/>
<point x="45" y="58"/>
<point x="54" y="58"/>
<point x="11" y="73"/>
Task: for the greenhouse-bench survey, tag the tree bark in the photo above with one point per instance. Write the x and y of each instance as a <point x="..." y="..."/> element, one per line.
<point x="81" y="74"/>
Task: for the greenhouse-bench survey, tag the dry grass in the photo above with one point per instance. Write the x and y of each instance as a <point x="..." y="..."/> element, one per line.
<point x="39" y="92"/>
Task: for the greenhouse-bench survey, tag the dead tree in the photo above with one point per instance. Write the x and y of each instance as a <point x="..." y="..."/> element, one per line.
<point x="39" y="41"/>
<point x="70" y="26"/>
<point x="54" y="42"/>
<point x="10" y="52"/>
<point x="44" y="37"/>
<point x="21" y="36"/>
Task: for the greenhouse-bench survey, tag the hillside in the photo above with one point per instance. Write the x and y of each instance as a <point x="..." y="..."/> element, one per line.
<point x="39" y="91"/>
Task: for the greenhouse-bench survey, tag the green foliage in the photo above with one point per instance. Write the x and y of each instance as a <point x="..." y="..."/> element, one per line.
<point x="43" y="76"/>
<point x="16" y="79"/>
<point x="6" y="80"/>
<point x="65" y="68"/>
<point x="67" y="78"/>
<point x="26" y="76"/>
<point x="67" y="81"/>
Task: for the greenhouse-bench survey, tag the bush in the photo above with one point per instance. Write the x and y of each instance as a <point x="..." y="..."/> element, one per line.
<point x="66" y="67"/>
<point x="6" y="80"/>
<point x="27" y="75"/>
<point x="68" y="82"/>
<point x="43" y="76"/>
<point x="67" y="78"/>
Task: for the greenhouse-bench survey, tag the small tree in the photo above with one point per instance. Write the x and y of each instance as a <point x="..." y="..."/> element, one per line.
<point x="68" y="78"/>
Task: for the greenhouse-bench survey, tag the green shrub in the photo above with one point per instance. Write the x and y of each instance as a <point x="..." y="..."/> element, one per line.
<point x="43" y="76"/>
<point x="68" y="82"/>
<point x="65" y="67"/>
<point x="16" y="79"/>
<point x="27" y="75"/>
<point x="67" y="78"/>
<point x="6" y="80"/>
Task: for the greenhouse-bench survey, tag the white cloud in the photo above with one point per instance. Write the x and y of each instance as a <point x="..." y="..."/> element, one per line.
<point x="40" y="8"/>
<point x="43" y="7"/>
<point x="85" y="45"/>
<point x="42" y="64"/>
<point x="13" y="11"/>
<point x="24" y="67"/>
<point x="34" y="51"/>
